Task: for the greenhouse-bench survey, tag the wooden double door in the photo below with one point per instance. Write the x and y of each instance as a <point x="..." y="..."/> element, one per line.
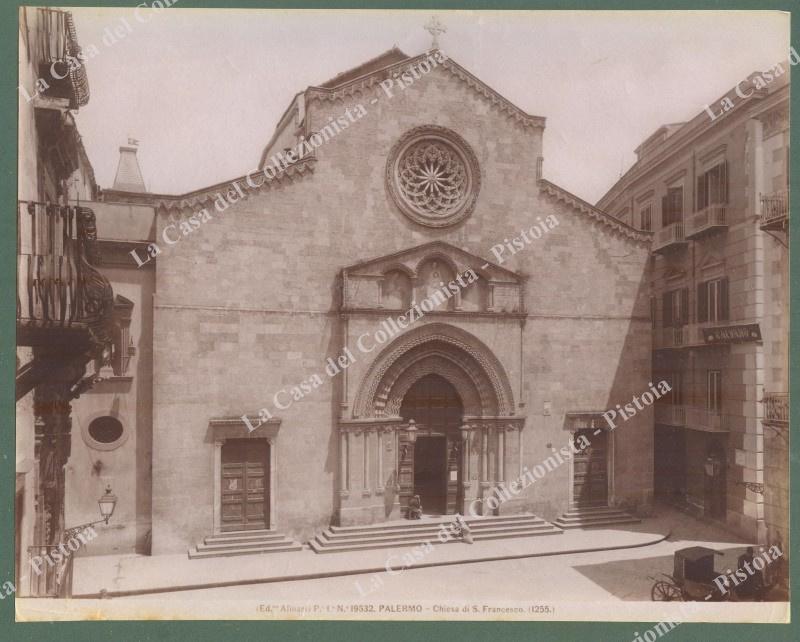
<point x="430" y="467"/>
<point x="590" y="468"/>
<point x="245" y="485"/>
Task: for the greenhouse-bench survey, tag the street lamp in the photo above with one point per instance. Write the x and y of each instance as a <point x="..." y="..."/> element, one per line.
<point x="411" y="433"/>
<point x="107" y="504"/>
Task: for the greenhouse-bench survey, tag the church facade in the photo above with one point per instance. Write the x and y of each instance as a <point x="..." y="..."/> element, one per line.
<point x="406" y="307"/>
<point x="394" y="303"/>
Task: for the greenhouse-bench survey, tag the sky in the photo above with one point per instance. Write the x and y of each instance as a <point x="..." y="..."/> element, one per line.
<point x="203" y="89"/>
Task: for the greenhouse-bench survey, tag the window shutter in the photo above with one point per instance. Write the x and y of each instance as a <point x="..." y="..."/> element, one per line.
<point x="684" y="306"/>
<point x="724" y="180"/>
<point x="666" y="301"/>
<point x="723" y="299"/>
<point x="701" y="193"/>
<point x="677" y="204"/>
<point x="665" y="211"/>
<point x="702" y="302"/>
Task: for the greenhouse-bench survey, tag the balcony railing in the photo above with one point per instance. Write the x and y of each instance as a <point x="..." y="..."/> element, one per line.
<point x="776" y="408"/>
<point x="50" y="290"/>
<point x="707" y="220"/>
<point x="64" y="304"/>
<point x="703" y="419"/>
<point x="57" y="43"/>
<point x="686" y="416"/>
<point x="678" y="337"/>
<point x="669" y="237"/>
<point x="57" y="285"/>
<point x="50" y="578"/>
<point x="670" y="414"/>
<point x="775" y="210"/>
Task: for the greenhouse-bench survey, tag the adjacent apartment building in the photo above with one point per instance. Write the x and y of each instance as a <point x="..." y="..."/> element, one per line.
<point x="65" y="308"/>
<point x="714" y="191"/>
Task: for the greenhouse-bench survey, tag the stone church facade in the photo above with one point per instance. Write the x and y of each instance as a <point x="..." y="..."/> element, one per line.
<point x="312" y="270"/>
<point x="395" y="305"/>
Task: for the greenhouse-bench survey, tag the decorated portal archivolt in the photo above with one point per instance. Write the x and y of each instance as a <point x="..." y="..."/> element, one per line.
<point x="455" y="354"/>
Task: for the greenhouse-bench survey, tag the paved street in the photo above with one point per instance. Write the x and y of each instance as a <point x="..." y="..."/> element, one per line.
<point x="602" y="576"/>
<point x="581" y="586"/>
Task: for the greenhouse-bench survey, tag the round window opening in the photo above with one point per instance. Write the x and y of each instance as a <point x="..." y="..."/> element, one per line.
<point x="106" y="430"/>
<point x="433" y="176"/>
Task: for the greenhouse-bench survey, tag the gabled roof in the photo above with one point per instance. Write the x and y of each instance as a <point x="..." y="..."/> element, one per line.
<point x="371" y="74"/>
<point x="560" y="194"/>
<point x="348" y="83"/>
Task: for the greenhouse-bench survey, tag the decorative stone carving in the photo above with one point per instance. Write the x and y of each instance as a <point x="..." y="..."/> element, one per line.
<point x="433" y="176"/>
<point x="462" y="349"/>
<point x="396" y="281"/>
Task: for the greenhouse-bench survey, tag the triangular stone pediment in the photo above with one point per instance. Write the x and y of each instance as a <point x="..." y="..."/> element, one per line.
<point x="711" y="262"/>
<point x="398" y="280"/>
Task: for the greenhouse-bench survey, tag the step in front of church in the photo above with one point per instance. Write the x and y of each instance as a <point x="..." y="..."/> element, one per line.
<point x="429" y="529"/>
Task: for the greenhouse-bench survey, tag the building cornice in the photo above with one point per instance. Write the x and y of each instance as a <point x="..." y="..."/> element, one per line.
<point x="751" y="107"/>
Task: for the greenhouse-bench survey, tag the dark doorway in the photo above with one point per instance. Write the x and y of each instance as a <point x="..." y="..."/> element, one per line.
<point x="715" y="495"/>
<point x="245" y="484"/>
<point x="430" y="474"/>
<point x="431" y="467"/>
<point x="670" y="464"/>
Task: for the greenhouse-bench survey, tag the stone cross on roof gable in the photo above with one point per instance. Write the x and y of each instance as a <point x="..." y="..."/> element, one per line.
<point x="435" y="28"/>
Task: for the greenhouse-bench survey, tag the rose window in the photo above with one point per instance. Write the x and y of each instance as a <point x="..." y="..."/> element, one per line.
<point x="433" y="176"/>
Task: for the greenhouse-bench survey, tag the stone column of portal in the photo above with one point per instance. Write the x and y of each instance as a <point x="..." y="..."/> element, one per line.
<point x="395" y="437"/>
<point x="365" y="488"/>
<point x="344" y="456"/>
<point x="501" y="455"/>
<point x="491" y="447"/>
<point x="465" y="471"/>
<point x="483" y="486"/>
<point x="379" y="486"/>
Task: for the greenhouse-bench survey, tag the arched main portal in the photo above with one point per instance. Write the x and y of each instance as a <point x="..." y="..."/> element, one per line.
<point x="431" y="467"/>
<point x="434" y="409"/>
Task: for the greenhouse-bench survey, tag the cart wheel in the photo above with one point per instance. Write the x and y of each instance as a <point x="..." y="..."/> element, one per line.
<point x="665" y="592"/>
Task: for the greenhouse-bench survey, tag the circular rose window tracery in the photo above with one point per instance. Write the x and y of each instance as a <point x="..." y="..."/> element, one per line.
<point x="433" y="176"/>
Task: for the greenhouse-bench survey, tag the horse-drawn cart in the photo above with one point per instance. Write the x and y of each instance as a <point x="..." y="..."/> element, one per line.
<point x="692" y="578"/>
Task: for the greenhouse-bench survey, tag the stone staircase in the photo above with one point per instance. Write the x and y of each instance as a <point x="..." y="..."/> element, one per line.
<point x="243" y="543"/>
<point x="594" y="515"/>
<point x="415" y="532"/>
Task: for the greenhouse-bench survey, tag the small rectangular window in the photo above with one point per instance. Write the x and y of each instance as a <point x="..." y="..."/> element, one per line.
<point x="712" y="301"/>
<point x="672" y="206"/>
<point x="646" y="218"/>
<point x="712" y="186"/>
